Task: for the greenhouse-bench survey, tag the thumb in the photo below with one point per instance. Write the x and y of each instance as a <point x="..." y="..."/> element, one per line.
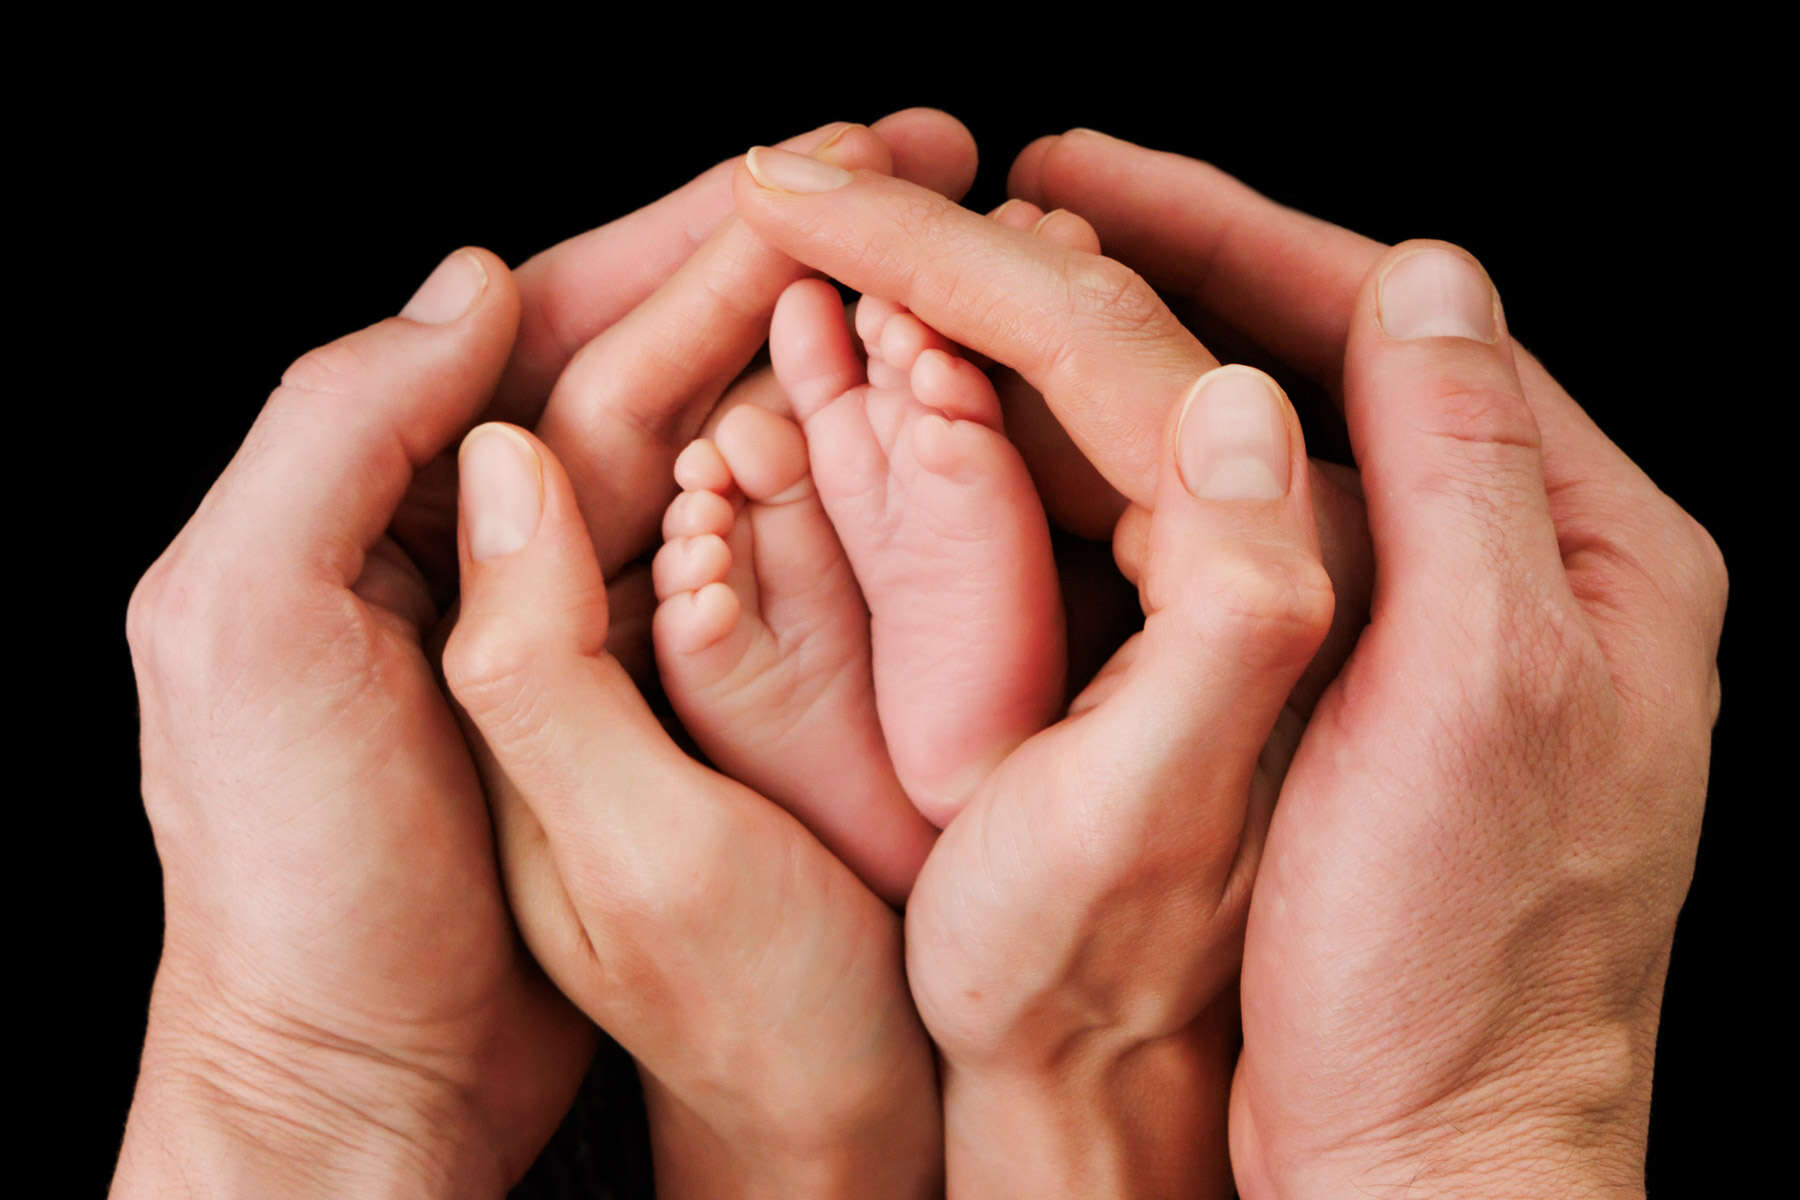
<point x="568" y="749"/>
<point x="1448" y="446"/>
<point x="1142" y="805"/>
<point x="1235" y="595"/>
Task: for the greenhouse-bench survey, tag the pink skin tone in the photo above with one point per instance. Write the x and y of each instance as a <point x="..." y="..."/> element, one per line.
<point x="896" y="487"/>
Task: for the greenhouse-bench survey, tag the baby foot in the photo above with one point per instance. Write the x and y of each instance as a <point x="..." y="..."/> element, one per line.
<point x="762" y="641"/>
<point x="939" y="519"/>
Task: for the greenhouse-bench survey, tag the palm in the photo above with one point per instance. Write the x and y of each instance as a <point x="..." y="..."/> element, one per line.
<point x="382" y="925"/>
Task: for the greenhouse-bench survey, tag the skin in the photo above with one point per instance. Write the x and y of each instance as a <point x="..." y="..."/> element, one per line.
<point x="342" y="1002"/>
<point x="252" y="1081"/>
<point x="1508" y="775"/>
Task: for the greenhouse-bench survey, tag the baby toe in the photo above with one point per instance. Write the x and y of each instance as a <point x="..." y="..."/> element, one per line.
<point x="956" y="388"/>
<point x="905" y="337"/>
<point x="689" y="622"/>
<point x="689" y="564"/>
<point x="693" y="513"/>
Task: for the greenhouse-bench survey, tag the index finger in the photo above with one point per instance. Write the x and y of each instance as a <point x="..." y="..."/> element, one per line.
<point x="1086" y="331"/>
<point x="576" y="289"/>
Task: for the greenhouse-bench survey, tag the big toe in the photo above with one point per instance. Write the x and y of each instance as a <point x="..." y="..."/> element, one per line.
<point x="766" y="455"/>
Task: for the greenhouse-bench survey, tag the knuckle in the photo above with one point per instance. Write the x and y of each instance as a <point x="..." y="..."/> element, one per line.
<point x="1272" y="606"/>
<point x="1482" y="415"/>
<point x="176" y="613"/>
<point x="488" y="670"/>
<point x="332" y="369"/>
<point x="1107" y="294"/>
<point x="1707" y="562"/>
<point x="1533" y="678"/>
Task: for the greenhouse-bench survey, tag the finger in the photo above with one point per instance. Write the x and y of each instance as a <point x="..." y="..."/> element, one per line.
<point x="1057" y="316"/>
<point x="564" y="308"/>
<point x="1343" y="529"/>
<point x="1286" y="279"/>
<point x="638" y="393"/>
<point x="1017" y="214"/>
<point x="1076" y="497"/>
<point x="324" y="468"/>
<point x="1069" y="230"/>
<point x="1448" y="446"/>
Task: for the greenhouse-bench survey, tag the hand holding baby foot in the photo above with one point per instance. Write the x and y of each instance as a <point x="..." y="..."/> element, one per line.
<point x="1073" y="940"/>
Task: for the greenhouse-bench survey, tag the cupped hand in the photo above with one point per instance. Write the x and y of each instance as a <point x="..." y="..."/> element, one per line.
<point x="758" y="984"/>
<point x="1505" y="785"/>
<point x="342" y="1002"/>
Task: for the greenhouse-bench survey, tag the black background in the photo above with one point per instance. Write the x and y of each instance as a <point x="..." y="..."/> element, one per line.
<point x="233" y="219"/>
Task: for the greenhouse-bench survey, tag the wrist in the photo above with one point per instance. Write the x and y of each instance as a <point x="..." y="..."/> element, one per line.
<point x="1567" y="1116"/>
<point x="814" y="1147"/>
<point x="1144" y="1120"/>
<point x="229" y="1106"/>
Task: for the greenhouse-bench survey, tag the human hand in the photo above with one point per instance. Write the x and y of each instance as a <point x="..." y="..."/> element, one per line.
<point x="1505" y="785"/>
<point x="756" y="982"/>
<point x="1072" y="940"/>
<point x="342" y="1003"/>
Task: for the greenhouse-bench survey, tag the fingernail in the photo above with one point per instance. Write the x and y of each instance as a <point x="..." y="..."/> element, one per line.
<point x="449" y="292"/>
<point x="502" y="491"/>
<point x="1435" y="293"/>
<point x="832" y="137"/>
<point x="781" y="171"/>
<point x="1232" y="441"/>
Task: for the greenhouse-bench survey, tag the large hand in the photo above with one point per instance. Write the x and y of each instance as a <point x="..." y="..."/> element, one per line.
<point x="757" y="983"/>
<point x="342" y="1003"/>
<point x="1505" y="787"/>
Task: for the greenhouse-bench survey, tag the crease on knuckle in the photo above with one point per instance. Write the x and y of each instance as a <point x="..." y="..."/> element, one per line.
<point x="490" y="675"/>
<point x="1482" y="416"/>
<point x="1109" y="297"/>
<point x="1268" y="605"/>
<point x="339" y="369"/>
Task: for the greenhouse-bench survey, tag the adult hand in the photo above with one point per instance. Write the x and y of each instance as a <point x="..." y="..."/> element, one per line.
<point x="1072" y="941"/>
<point x="1505" y="786"/>
<point x="756" y="981"/>
<point x="342" y="1004"/>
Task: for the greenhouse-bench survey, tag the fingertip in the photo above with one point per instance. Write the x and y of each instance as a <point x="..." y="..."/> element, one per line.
<point x="1025" y="179"/>
<point x="854" y="147"/>
<point x="1235" y="437"/>
<point x="1068" y="230"/>
<point x="932" y="149"/>
<point x="500" y="490"/>
<point x="1017" y="214"/>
